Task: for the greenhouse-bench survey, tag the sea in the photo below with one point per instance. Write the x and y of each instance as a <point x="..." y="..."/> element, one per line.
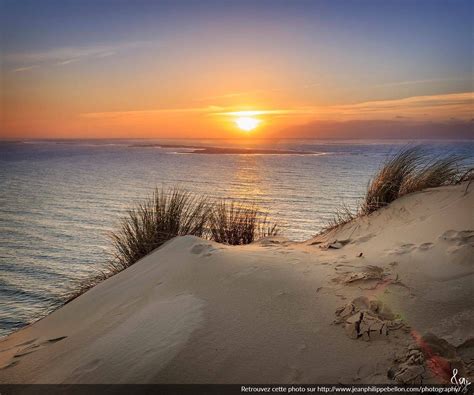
<point x="59" y="199"/>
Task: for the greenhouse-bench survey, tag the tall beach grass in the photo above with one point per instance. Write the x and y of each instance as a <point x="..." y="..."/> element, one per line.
<point x="164" y="215"/>
<point x="170" y="213"/>
<point x="234" y="224"/>
<point x="412" y="169"/>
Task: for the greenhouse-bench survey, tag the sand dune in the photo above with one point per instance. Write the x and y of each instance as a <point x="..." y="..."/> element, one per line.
<point x="387" y="298"/>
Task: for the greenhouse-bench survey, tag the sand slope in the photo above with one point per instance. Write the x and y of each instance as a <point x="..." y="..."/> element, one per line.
<point x="276" y="311"/>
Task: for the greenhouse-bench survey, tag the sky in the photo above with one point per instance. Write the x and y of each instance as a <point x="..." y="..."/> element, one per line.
<point x="190" y="69"/>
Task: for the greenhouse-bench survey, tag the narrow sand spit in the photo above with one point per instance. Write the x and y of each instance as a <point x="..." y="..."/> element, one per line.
<point x="387" y="298"/>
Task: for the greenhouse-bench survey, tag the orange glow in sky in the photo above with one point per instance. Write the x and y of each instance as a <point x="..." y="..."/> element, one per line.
<point x="293" y="69"/>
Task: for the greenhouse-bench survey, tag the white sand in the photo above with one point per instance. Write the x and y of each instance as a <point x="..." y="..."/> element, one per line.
<point x="276" y="311"/>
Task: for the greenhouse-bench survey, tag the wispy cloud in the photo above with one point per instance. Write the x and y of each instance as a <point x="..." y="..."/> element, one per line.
<point x="106" y="54"/>
<point x="253" y="92"/>
<point x="417" y="82"/>
<point x="66" y="55"/>
<point x="446" y="106"/>
<point x="280" y="111"/>
<point x="149" y="112"/>
<point x="209" y="110"/>
<point x="459" y="105"/>
<point x="27" y="68"/>
<point x="231" y="95"/>
<point x="415" y="105"/>
<point x="68" y="61"/>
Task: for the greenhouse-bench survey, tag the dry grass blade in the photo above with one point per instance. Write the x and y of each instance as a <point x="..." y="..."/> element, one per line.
<point x="342" y="216"/>
<point x="80" y="286"/>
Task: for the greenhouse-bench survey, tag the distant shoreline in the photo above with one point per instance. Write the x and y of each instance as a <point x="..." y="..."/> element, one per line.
<point x="20" y="140"/>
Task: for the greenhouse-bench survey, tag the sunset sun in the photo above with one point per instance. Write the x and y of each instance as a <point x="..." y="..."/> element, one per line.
<point x="247" y="124"/>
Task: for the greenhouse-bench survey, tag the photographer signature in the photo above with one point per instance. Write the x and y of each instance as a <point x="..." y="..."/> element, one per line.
<point x="461" y="382"/>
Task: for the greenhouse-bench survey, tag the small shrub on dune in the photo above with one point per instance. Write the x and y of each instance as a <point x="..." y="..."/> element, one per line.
<point x="157" y="220"/>
<point x="235" y="225"/>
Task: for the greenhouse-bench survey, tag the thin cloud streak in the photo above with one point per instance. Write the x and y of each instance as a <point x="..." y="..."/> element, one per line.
<point x="253" y="92"/>
<point x="250" y="113"/>
<point x="158" y="111"/>
<point x="230" y="95"/>
<point x="65" y="55"/>
<point x="426" y="81"/>
<point x="415" y="102"/>
<point x="68" y="61"/>
<point x="459" y="105"/>
<point x="210" y="110"/>
<point x="27" y="68"/>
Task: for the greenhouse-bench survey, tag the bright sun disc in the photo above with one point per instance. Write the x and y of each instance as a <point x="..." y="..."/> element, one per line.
<point x="247" y="123"/>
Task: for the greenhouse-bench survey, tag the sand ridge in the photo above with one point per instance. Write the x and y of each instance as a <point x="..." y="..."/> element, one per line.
<point x="387" y="298"/>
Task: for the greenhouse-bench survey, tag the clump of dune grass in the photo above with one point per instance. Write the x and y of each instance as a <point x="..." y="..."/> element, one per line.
<point x="234" y="224"/>
<point x="410" y="170"/>
<point x="170" y="213"/>
<point x="387" y="184"/>
<point x="433" y="173"/>
<point x="166" y="214"/>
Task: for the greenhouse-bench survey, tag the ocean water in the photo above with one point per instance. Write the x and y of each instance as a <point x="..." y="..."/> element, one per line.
<point x="59" y="199"/>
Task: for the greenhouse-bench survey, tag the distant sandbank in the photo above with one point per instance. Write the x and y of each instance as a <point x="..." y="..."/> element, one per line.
<point x="191" y="149"/>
